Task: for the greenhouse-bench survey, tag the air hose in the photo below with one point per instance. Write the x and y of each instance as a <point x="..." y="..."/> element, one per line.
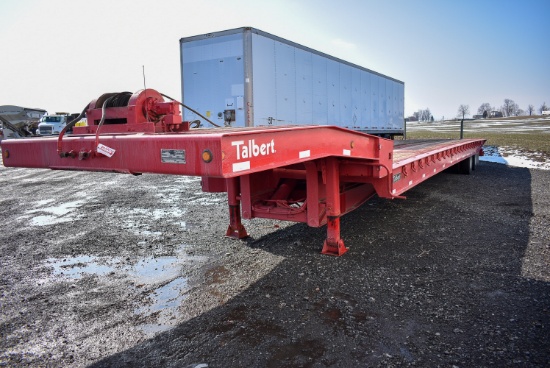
<point x="190" y="109"/>
<point x="70" y="126"/>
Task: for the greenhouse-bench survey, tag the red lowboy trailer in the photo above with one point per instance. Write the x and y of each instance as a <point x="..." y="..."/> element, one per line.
<point x="309" y="174"/>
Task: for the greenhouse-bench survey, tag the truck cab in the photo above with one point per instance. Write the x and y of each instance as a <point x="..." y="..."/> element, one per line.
<point x="53" y="124"/>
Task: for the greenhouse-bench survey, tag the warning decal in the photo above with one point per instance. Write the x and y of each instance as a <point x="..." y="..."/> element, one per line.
<point x="104" y="150"/>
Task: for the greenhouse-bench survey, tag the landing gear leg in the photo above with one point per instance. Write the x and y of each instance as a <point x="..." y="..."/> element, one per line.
<point x="334" y="245"/>
<point x="236" y="229"/>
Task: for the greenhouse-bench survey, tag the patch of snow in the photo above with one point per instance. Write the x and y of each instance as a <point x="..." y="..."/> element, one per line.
<point x="502" y="155"/>
<point x="513" y="157"/>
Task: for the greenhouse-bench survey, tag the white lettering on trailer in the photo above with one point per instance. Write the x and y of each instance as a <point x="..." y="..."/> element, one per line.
<point x="241" y="166"/>
<point x="304" y="154"/>
<point x="251" y="149"/>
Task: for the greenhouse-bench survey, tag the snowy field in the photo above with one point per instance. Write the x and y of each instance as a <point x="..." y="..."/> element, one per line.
<point x="527" y="125"/>
<point x="511" y="156"/>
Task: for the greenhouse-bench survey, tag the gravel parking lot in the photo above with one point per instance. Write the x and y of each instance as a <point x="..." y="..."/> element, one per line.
<point x="101" y="269"/>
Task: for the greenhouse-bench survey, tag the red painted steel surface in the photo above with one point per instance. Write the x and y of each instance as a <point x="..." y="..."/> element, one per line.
<point x="415" y="162"/>
<point x="334" y="244"/>
<point x="235" y="151"/>
<point x="310" y="174"/>
<point x="143" y="106"/>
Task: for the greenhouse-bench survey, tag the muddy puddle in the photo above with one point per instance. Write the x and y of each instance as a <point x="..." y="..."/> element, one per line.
<point x="160" y="280"/>
<point x="165" y="303"/>
<point x="45" y="214"/>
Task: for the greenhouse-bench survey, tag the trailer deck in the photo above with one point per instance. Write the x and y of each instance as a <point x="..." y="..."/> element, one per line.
<point x="309" y="174"/>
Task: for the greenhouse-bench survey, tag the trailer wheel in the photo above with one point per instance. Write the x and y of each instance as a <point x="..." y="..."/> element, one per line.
<point x="475" y="161"/>
<point x="465" y="167"/>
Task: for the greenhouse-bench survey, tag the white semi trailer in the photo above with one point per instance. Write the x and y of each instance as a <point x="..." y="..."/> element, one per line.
<point x="245" y="77"/>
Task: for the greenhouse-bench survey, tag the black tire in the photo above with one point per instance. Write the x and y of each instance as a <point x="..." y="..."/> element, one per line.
<point x="465" y="166"/>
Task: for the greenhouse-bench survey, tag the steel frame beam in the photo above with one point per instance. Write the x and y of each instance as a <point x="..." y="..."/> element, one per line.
<point x="311" y="174"/>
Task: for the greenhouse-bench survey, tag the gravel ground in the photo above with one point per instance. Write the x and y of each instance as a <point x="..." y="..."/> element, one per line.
<point x="102" y="270"/>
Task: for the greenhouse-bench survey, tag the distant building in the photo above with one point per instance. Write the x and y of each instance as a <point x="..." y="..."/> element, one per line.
<point x="21" y="117"/>
<point x="495" y="114"/>
<point x="477" y="116"/>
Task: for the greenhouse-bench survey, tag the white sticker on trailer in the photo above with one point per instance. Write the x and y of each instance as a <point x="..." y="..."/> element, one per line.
<point x="107" y="151"/>
<point x="304" y="154"/>
<point x="346" y="152"/>
<point x="241" y="166"/>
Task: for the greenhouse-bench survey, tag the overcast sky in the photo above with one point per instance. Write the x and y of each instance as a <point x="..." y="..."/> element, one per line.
<point x="61" y="54"/>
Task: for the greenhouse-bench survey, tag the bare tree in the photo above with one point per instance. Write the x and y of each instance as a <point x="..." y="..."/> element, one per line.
<point x="428" y="114"/>
<point x="485" y="109"/>
<point x="519" y="112"/>
<point x="463" y="110"/>
<point x="530" y="109"/>
<point x="543" y="107"/>
<point x="424" y="115"/>
<point x="509" y="107"/>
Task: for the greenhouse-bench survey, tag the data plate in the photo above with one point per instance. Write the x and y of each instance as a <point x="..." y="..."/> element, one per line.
<point x="172" y="156"/>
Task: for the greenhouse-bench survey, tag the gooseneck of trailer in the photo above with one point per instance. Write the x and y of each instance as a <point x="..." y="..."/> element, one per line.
<point x="309" y="174"/>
